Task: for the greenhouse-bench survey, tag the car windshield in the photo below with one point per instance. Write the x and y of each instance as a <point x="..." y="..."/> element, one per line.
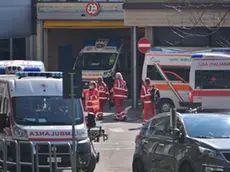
<point x="208" y="127"/>
<point x="49" y="110"/>
<point x="97" y="61"/>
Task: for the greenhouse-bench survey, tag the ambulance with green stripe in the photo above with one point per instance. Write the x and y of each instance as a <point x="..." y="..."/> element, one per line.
<point x="169" y="69"/>
<point x="100" y="58"/>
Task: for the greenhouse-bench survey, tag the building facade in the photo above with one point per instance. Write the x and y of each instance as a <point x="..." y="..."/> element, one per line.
<point x="16" y="31"/>
<point x="198" y="24"/>
<point x="67" y="23"/>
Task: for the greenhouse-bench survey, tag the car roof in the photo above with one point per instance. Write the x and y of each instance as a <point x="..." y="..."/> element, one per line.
<point x="196" y="115"/>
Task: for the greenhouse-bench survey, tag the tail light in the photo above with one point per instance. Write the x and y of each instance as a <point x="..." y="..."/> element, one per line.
<point x="137" y="137"/>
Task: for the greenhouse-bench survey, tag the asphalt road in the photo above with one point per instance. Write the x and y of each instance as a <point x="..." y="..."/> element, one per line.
<point x="116" y="153"/>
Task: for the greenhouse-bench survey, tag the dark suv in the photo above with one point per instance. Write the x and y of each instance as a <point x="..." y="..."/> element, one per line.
<point x="202" y="144"/>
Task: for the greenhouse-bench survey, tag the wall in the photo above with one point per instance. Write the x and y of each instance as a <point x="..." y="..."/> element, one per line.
<point x="15" y="18"/>
<point x="173" y="17"/>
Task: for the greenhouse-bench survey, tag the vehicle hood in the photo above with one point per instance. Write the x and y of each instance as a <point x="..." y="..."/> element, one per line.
<point x="92" y="74"/>
<point x="53" y="132"/>
<point x="218" y="143"/>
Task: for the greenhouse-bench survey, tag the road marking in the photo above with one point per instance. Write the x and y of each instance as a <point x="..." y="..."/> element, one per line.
<point x="116" y="130"/>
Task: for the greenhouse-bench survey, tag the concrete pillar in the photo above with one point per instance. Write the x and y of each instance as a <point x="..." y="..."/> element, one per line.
<point x="40" y="41"/>
<point x="149" y="33"/>
<point x="31" y="47"/>
<point x="11" y="49"/>
<point x="45" y="32"/>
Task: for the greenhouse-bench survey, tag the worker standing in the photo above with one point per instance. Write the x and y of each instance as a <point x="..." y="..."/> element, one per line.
<point x="103" y="96"/>
<point x="120" y="93"/>
<point x="91" y="96"/>
<point x="150" y="96"/>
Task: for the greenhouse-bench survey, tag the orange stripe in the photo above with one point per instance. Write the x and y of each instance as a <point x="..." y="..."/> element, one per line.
<point x="49" y="139"/>
<point x="181" y="87"/>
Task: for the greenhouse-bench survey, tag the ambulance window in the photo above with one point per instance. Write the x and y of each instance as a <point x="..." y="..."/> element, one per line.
<point x="212" y="79"/>
<point x="153" y="74"/>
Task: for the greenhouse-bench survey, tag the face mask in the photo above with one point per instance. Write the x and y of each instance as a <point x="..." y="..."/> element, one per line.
<point x="91" y="87"/>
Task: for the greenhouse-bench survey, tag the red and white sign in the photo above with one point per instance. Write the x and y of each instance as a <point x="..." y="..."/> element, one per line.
<point x="92" y="8"/>
<point x="144" y="45"/>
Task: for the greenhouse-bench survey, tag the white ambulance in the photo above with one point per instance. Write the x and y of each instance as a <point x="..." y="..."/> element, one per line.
<point x="33" y="110"/>
<point x="210" y="80"/>
<point x="168" y="69"/>
<point x="100" y="59"/>
<point x="13" y="66"/>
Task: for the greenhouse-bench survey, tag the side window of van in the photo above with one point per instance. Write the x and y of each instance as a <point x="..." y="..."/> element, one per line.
<point x="172" y="74"/>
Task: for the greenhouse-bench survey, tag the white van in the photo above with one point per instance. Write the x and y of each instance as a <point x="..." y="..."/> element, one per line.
<point x="210" y="80"/>
<point x="99" y="58"/>
<point x="33" y="111"/>
<point x="168" y="69"/>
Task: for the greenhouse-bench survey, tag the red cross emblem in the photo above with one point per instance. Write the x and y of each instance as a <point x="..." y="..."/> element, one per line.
<point x="213" y="79"/>
<point x="43" y="85"/>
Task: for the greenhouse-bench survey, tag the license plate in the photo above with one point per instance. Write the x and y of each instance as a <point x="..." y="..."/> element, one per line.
<point x="58" y="159"/>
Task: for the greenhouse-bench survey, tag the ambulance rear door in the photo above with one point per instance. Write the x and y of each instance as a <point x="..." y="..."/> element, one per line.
<point x="213" y="78"/>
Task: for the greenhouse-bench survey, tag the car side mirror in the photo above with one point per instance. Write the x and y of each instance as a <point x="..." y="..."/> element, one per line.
<point x="4" y="121"/>
<point x="90" y="120"/>
<point x="178" y="135"/>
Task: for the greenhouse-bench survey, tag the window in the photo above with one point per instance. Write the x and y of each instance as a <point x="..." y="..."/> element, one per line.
<point x="158" y="126"/>
<point x="4" y="49"/>
<point x="164" y="36"/>
<point x="169" y="36"/>
<point x="212" y="79"/>
<point x="174" y="74"/>
<point x="198" y="37"/>
<point x="211" y="126"/>
<point x="19" y="49"/>
<point x="221" y="37"/>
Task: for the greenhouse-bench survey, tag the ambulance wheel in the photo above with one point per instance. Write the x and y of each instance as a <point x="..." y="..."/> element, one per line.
<point x="165" y="105"/>
<point x="92" y="164"/>
<point x="91" y="167"/>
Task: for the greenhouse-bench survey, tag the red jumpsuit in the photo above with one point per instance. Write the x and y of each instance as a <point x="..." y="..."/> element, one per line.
<point x="120" y="93"/>
<point x="149" y="107"/>
<point x="103" y="95"/>
<point x="91" y="100"/>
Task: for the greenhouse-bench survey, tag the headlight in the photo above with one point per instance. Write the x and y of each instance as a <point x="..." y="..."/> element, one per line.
<point x="107" y="74"/>
<point x="18" y="132"/>
<point x="209" y="152"/>
<point x="81" y="133"/>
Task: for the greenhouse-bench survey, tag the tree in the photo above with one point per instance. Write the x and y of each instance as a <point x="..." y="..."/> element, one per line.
<point x="209" y="14"/>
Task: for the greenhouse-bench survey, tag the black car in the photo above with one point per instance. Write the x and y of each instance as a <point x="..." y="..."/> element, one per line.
<point x="201" y="144"/>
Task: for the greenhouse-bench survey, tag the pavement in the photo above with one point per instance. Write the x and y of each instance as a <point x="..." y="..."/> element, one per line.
<point x="117" y="152"/>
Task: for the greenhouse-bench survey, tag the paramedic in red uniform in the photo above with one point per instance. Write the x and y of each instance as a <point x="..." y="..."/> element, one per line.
<point x="149" y="96"/>
<point x="91" y="96"/>
<point x="103" y="96"/>
<point x="120" y="93"/>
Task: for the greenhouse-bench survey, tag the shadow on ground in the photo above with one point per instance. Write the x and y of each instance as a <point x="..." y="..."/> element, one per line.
<point x="134" y="116"/>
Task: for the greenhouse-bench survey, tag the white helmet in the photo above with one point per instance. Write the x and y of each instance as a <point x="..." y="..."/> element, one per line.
<point x="119" y="76"/>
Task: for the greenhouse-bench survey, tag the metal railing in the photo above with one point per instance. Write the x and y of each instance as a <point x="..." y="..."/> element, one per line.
<point x="12" y="156"/>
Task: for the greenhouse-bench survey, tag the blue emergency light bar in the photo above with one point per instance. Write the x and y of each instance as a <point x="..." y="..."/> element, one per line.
<point x="194" y="56"/>
<point x="40" y="74"/>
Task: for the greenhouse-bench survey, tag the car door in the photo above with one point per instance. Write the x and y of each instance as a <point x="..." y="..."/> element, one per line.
<point x="148" y="144"/>
<point x="158" y="140"/>
<point x="173" y="151"/>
